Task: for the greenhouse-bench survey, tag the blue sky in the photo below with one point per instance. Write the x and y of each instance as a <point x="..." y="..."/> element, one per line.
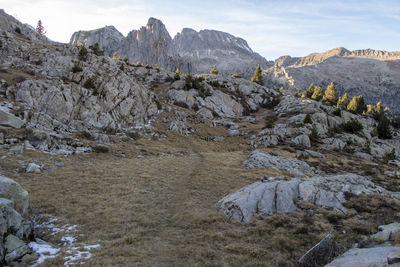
<point x="271" y="27"/>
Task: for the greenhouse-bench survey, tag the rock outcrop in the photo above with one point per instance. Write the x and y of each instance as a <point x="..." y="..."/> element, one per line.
<point x="271" y="196"/>
<point x="15" y="230"/>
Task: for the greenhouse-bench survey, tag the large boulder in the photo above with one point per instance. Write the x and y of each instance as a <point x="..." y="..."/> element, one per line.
<point x="272" y="196"/>
<point x="9" y="120"/>
<point x="15" y="249"/>
<point x="260" y="159"/>
<point x="355" y="257"/>
<point x="11" y="190"/>
<point x="182" y="98"/>
<point x="223" y="105"/>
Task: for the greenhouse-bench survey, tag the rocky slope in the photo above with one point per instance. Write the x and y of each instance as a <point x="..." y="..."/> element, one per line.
<point x="190" y="51"/>
<point x="371" y="73"/>
<point x="151" y="153"/>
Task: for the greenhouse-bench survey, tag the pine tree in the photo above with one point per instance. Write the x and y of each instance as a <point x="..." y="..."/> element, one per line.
<point x="379" y="108"/>
<point x="115" y="56"/>
<point x="357" y="105"/>
<point x="383" y="127"/>
<point x="310" y="90"/>
<point x="331" y="95"/>
<point x="370" y="109"/>
<point x="40" y="29"/>
<point x="343" y="102"/>
<point x="214" y="70"/>
<point x="318" y="94"/>
<point x="338" y="102"/>
<point x="257" y="78"/>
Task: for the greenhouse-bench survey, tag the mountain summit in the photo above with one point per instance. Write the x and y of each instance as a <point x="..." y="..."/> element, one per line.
<point x="190" y="51"/>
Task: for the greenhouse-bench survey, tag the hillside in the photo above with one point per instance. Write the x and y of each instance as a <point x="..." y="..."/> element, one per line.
<point x="371" y="73"/>
<point x="131" y="165"/>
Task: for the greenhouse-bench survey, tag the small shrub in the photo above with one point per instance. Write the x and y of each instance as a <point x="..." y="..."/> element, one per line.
<point x="357" y="105"/>
<point x="352" y="126"/>
<point x="139" y="64"/>
<point x="270" y="123"/>
<point x="96" y="50"/>
<point x="314" y="136"/>
<point x="177" y="75"/>
<point x="122" y="67"/>
<point x="257" y="76"/>
<point x="214" y="70"/>
<point x="203" y="92"/>
<point x="236" y="75"/>
<point x="126" y="60"/>
<point x="148" y="66"/>
<point x="157" y="68"/>
<point x="390" y="155"/>
<point x="101" y="149"/>
<point x="82" y="55"/>
<point x="333" y="131"/>
<point x="337" y="112"/>
<point x="76" y="68"/>
<point x="89" y="84"/>
<point x="308" y="119"/>
<point x="195" y="107"/>
<point x="214" y="83"/>
<point x="17" y="30"/>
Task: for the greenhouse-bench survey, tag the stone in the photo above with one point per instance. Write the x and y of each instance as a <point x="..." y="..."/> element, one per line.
<point x="363" y="155"/>
<point x="178" y="85"/>
<point x="10" y="189"/>
<point x="394" y="257"/>
<point x="386" y="232"/>
<point x="28" y="145"/>
<point x="33" y="167"/>
<point x="223" y="105"/>
<point x="272" y="195"/>
<point x="15" y="249"/>
<point x="9" y="120"/>
<point x="302" y="140"/>
<point x="315" y="154"/>
<point x="259" y="159"/>
<point x="182" y="98"/>
<point x="320" y="254"/>
<point x="356" y="257"/>
<point x="1" y="138"/>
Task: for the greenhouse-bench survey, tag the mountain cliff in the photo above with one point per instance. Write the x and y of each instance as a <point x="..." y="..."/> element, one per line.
<point x="190" y="51"/>
<point x="372" y="73"/>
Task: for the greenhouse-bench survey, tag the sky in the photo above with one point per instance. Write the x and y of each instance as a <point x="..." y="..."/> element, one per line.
<point x="272" y="28"/>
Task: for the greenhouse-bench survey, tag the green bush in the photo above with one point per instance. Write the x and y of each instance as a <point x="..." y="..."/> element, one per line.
<point x="148" y="66"/>
<point x="76" y="68"/>
<point x="390" y="155"/>
<point x="270" y="123"/>
<point x="308" y="119"/>
<point x="333" y="131"/>
<point x="122" y="67"/>
<point x="89" y="84"/>
<point x="82" y="55"/>
<point x="17" y="30"/>
<point x="203" y="92"/>
<point x="96" y="50"/>
<point x="337" y="112"/>
<point x="352" y="126"/>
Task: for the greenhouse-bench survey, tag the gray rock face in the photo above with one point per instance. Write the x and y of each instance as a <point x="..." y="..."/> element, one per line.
<point x="259" y="159"/>
<point x="108" y="38"/>
<point x="356" y="257"/>
<point x="386" y="232"/>
<point x="277" y="196"/>
<point x="11" y="190"/>
<point x="209" y="47"/>
<point x="223" y="104"/>
<point x="190" y="51"/>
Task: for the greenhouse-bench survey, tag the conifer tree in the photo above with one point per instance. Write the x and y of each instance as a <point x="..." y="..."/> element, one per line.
<point x="357" y="105"/>
<point x="310" y="90"/>
<point x="318" y="94"/>
<point x="383" y="127"/>
<point x="257" y="78"/>
<point x="331" y="95"/>
<point x="40" y="29"/>
<point x="115" y="56"/>
<point x="343" y="102"/>
<point x="379" y="108"/>
<point x="214" y="70"/>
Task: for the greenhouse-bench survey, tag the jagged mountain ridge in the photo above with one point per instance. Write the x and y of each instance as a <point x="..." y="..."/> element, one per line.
<point x="190" y="51"/>
<point x="371" y="73"/>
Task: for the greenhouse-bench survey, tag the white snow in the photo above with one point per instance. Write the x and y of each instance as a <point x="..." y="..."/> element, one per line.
<point x="44" y="250"/>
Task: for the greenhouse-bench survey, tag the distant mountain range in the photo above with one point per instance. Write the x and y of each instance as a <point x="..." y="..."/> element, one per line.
<point x="372" y="73"/>
<point x="190" y="51"/>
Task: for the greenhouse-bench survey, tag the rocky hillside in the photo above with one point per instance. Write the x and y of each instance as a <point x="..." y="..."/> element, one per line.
<point x="190" y="51"/>
<point x="371" y="73"/>
<point x="158" y="168"/>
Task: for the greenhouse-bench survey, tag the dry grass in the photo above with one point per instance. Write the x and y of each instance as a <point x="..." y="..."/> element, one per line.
<point x="159" y="210"/>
